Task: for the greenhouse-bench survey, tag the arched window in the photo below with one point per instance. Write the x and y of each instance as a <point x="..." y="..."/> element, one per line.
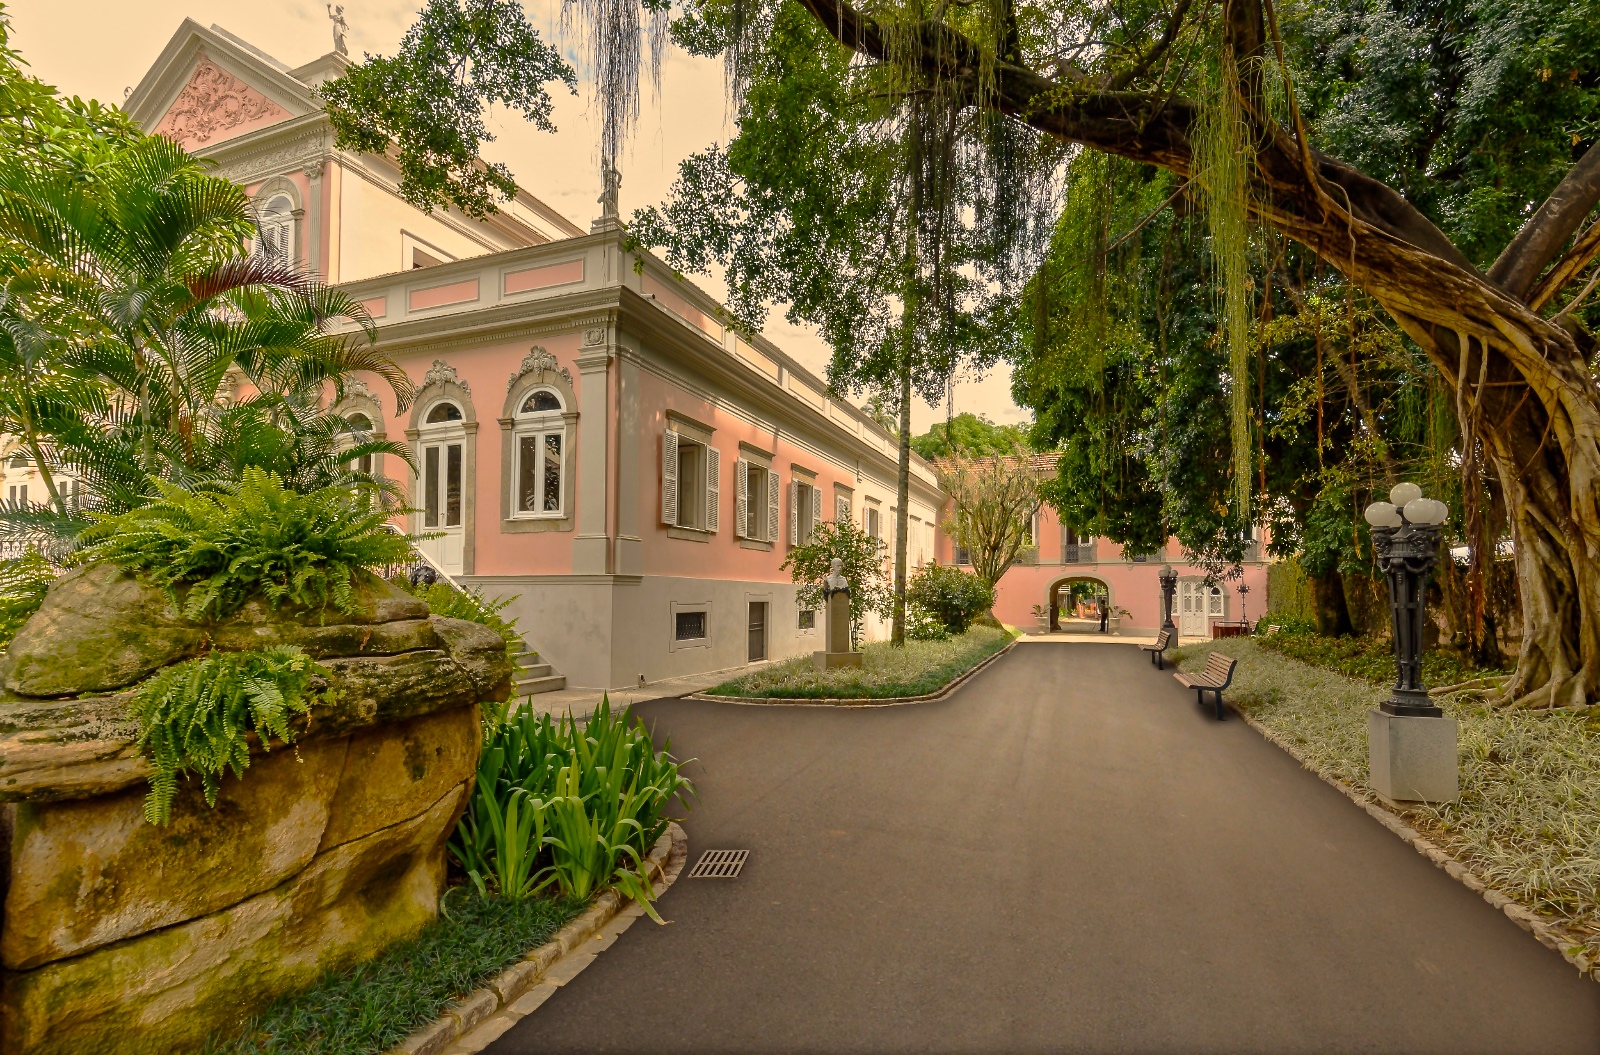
<point x="442" y="413"/>
<point x="276" y="221"/>
<point x="361" y="432"/>
<point x="538" y="442"/>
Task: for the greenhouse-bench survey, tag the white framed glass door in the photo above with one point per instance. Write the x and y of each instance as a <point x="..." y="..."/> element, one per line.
<point x="442" y="494"/>
<point x="1191" y="609"/>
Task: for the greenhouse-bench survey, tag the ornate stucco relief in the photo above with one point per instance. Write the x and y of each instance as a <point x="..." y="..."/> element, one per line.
<point x="212" y="102"/>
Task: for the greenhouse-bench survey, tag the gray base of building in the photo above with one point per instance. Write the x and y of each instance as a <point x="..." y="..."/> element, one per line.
<point x="1412" y="759"/>
<point x="833" y="660"/>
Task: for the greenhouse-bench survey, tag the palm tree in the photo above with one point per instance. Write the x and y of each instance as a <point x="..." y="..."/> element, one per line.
<point x="135" y="301"/>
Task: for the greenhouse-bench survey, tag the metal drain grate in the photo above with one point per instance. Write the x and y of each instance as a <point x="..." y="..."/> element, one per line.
<point x="719" y="864"/>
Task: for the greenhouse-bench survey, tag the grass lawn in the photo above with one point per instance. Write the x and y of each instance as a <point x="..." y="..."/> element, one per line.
<point x="885" y="673"/>
<point x="1528" y="820"/>
<point x="371" y="1007"/>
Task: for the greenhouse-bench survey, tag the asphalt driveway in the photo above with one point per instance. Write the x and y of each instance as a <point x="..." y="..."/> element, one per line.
<point x="1066" y="856"/>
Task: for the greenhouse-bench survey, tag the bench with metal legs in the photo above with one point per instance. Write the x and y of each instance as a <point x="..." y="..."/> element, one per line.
<point x="1217" y="676"/>
<point x="1163" y="642"/>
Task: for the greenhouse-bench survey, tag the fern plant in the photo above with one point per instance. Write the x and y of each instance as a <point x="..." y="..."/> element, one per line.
<point x="194" y="716"/>
<point x="23" y="582"/>
<point x="253" y="536"/>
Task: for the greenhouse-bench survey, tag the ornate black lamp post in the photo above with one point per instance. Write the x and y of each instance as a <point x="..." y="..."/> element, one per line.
<point x="1243" y="589"/>
<point x="1405" y="537"/>
<point x="1169" y="588"/>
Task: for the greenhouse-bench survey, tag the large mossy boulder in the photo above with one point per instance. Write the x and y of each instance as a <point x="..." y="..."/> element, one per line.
<point x="120" y="936"/>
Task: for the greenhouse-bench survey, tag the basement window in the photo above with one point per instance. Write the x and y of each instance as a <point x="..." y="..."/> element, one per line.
<point x="690" y="626"/>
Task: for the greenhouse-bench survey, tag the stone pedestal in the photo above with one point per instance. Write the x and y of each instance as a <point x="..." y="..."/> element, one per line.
<point x="830" y="660"/>
<point x="1412" y="759"/>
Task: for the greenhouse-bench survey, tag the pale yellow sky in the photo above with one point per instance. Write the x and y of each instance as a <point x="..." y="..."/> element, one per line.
<point x="96" y="48"/>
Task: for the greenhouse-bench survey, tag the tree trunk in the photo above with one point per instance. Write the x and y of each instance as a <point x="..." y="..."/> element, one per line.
<point x="1328" y="604"/>
<point x="1522" y="380"/>
<point x="903" y="496"/>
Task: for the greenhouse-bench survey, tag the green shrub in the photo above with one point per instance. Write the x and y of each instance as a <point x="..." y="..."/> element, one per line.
<point x="252" y="537"/>
<point x="1369" y="658"/>
<point x="23" y="582"/>
<point x="950" y="595"/>
<point x="470" y="604"/>
<point x="577" y="807"/>
<point x="923" y="625"/>
<point x="194" y="715"/>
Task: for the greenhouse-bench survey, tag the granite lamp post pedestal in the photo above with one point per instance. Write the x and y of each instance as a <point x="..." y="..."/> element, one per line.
<point x="1411" y="745"/>
<point x="836" y="622"/>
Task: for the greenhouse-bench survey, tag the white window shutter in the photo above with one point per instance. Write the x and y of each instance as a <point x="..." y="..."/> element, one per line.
<point x="815" y="511"/>
<point x="794" y="512"/>
<point x="741" y="497"/>
<point x="669" y="477"/>
<point x="841" y="509"/>
<point x="772" y="506"/>
<point x="713" y="489"/>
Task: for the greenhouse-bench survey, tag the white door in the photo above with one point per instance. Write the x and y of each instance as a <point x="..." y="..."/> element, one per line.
<point x="440" y="500"/>
<point x="1191" y="609"/>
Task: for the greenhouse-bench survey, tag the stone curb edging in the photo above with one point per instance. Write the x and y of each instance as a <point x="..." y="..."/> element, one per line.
<point x="664" y="863"/>
<point x="1550" y="935"/>
<point x="857" y="701"/>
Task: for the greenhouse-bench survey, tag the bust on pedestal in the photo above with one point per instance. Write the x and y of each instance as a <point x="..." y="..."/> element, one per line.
<point x="836" y="621"/>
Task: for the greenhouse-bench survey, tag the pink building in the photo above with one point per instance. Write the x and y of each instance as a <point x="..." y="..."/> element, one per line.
<point x="1059" y="559"/>
<point x="590" y="440"/>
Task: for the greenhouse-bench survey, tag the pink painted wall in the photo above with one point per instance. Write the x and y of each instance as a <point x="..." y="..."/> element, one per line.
<point x="1131" y="586"/>
<point x="722" y="557"/>
<point x="485" y="369"/>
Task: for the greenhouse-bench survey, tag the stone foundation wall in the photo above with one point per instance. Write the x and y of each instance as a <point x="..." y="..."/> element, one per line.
<point x="121" y="936"/>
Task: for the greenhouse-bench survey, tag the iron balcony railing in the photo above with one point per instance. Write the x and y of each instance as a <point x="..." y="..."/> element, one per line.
<point x="1077" y="553"/>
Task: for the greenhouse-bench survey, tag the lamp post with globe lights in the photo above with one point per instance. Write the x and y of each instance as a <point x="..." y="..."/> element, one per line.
<point x="1411" y="744"/>
<point x="1169" y="588"/>
<point x="1405" y="538"/>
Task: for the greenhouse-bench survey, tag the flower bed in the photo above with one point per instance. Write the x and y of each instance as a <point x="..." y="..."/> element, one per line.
<point x="915" y="669"/>
<point x="1528" y="819"/>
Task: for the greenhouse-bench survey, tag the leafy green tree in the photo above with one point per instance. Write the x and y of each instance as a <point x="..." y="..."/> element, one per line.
<point x="971" y="434"/>
<point x="861" y="558"/>
<point x="428" y="100"/>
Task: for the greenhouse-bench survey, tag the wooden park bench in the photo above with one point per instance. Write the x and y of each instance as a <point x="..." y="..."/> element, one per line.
<point x="1216" y="677"/>
<point x="1163" y="642"/>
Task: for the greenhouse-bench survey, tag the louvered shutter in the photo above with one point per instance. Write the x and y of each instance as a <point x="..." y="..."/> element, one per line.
<point x="841" y="511"/>
<point x="713" y="488"/>
<point x="794" y="512"/>
<point x="741" y="497"/>
<point x="772" y="506"/>
<point x="669" y="477"/>
<point x="815" y="511"/>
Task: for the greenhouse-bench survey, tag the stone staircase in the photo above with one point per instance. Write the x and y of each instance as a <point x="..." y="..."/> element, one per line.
<point x="533" y="675"/>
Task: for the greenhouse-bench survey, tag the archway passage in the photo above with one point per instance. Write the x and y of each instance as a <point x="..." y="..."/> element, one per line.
<point x="1076" y="603"/>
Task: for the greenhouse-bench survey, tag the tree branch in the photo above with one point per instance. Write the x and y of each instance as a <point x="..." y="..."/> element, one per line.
<point x="1569" y="267"/>
<point x="1548" y="229"/>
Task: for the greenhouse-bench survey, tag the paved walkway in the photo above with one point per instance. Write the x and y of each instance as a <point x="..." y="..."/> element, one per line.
<point x="1065" y="856"/>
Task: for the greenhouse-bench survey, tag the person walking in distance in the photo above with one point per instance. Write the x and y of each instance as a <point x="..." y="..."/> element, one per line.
<point x="1105" y="613"/>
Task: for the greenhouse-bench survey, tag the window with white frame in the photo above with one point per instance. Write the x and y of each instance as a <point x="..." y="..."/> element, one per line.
<point x="805" y="505"/>
<point x="538" y="451"/>
<point x="275" y="239"/>
<point x="691" y="484"/>
<point x="360" y="432"/>
<point x="872" y="521"/>
<point x="841" y="506"/>
<point x="755" y="501"/>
